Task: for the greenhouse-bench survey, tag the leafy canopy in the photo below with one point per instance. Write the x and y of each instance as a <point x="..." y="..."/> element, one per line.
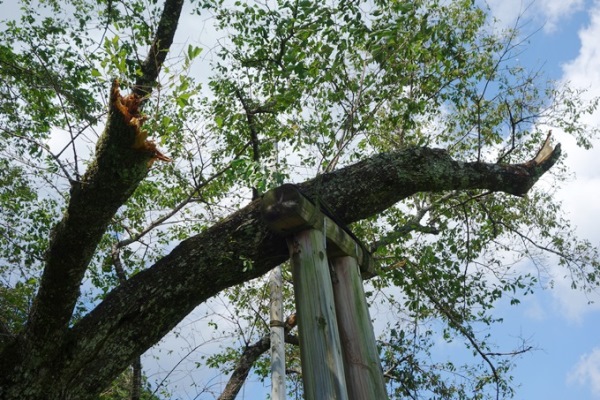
<point x="278" y="91"/>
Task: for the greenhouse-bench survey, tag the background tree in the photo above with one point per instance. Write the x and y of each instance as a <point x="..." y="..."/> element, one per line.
<point x="411" y="120"/>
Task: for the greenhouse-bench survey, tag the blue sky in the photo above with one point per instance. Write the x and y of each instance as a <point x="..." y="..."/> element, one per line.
<point x="559" y="321"/>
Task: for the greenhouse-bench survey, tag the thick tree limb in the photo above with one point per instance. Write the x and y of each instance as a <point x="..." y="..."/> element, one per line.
<point x="137" y="314"/>
<point x="119" y="166"/>
<point x="122" y="157"/>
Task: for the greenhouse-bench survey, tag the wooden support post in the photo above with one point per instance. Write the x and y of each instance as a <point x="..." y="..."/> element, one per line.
<point x="320" y="350"/>
<point x="277" y="336"/>
<point x="361" y="357"/>
<point x="312" y="238"/>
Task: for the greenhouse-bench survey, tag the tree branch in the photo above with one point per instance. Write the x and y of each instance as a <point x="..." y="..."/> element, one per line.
<point x="121" y="161"/>
<point x="165" y="33"/>
<point x="137" y="314"/>
<point x="118" y="168"/>
<point x="413" y="225"/>
<point x="248" y="358"/>
<point x="122" y="157"/>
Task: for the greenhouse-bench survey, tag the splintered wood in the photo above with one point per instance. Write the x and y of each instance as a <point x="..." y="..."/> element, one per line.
<point x="129" y="107"/>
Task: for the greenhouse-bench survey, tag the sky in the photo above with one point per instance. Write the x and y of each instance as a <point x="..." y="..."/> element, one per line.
<point x="560" y="323"/>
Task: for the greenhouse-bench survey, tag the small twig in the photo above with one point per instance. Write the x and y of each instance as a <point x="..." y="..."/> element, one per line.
<point x="458" y="326"/>
<point x="511" y="353"/>
<point x="190" y="198"/>
<point x="46" y="148"/>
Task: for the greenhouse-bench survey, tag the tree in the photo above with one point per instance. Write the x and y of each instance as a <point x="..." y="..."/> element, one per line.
<point x="411" y="120"/>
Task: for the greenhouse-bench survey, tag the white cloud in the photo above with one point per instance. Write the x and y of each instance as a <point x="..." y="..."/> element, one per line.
<point x="583" y="71"/>
<point x="546" y="12"/>
<point x="506" y="11"/>
<point x="580" y="196"/>
<point x="587" y="372"/>
<point x="582" y="208"/>
<point x="556" y="10"/>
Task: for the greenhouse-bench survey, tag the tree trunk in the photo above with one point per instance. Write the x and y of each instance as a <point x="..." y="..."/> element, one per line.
<point x="31" y="365"/>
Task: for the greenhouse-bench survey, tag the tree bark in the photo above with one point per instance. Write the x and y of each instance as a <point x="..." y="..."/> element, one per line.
<point x="137" y="314"/>
<point x="165" y="32"/>
<point x="121" y="162"/>
<point x="118" y="168"/>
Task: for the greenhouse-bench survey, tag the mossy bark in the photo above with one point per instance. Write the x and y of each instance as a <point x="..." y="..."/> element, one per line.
<point x="139" y="313"/>
<point x="36" y="363"/>
<point x="107" y="184"/>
